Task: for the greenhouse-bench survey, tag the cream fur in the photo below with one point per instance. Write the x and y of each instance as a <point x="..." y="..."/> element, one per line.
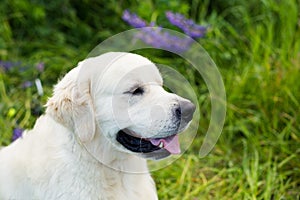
<point x="51" y="161"/>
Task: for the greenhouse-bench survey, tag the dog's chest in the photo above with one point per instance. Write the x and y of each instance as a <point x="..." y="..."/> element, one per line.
<point x="98" y="184"/>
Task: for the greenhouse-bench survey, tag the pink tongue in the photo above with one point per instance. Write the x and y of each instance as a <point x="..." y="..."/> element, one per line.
<point x="171" y="143"/>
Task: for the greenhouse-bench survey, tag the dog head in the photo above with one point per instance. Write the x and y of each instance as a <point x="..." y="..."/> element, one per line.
<point x="121" y="95"/>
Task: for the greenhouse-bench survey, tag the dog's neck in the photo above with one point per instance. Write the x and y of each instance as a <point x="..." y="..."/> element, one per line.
<point x="101" y="152"/>
<point x="115" y="166"/>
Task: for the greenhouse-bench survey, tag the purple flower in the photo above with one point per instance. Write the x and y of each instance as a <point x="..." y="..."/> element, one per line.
<point x="6" y="65"/>
<point x="188" y="26"/>
<point x="164" y="40"/>
<point x="26" y="84"/>
<point x="40" y="66"/>
<point x="133" y="20"/>
<point x="17" y="133"/>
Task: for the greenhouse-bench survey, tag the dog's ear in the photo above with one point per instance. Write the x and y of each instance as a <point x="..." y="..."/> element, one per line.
<point x="71" y="105"/>
<point x="83" y="115"/>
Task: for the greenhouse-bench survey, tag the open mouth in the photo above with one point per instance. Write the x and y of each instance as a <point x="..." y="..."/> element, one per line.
<point x="147" y="145"/>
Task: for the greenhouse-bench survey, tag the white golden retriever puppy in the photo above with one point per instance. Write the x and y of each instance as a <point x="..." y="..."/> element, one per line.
<point x="105" y="117"/>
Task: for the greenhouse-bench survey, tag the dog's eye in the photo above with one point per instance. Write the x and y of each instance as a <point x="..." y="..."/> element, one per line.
<point x="138" y="91"/>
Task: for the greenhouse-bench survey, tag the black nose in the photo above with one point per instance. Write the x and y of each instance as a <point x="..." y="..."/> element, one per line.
<point x="185" y="111"/>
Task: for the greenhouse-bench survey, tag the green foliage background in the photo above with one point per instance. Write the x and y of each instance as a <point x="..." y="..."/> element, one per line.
<point x="255" y="44"/>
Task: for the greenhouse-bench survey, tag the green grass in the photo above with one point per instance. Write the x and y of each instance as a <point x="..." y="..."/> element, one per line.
<point x="256" y="45"/>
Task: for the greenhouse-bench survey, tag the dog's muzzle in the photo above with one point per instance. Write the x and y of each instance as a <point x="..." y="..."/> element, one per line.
<point x="162" y="145"/>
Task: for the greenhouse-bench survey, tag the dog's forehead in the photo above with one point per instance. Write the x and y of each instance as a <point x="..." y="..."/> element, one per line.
<point x="121" y="70"/>
<point x="128" y="67"/>
<point x="131" y="68"/>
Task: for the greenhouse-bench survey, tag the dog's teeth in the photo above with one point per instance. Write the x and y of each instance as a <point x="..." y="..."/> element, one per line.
<point x="161" y="145"/>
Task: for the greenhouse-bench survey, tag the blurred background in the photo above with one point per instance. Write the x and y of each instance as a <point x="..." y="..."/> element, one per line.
<point x="254" y="43"/>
